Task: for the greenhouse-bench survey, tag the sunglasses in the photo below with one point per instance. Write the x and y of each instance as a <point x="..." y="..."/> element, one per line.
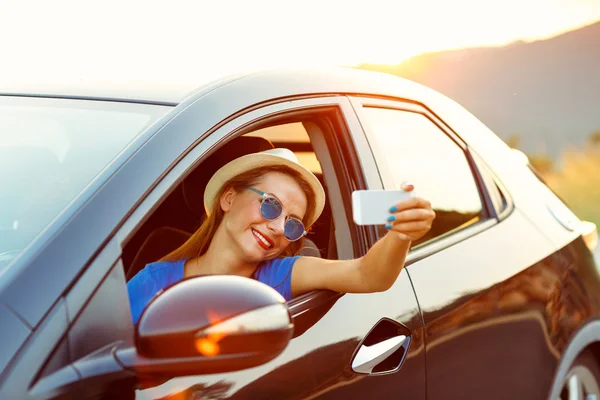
<point x="271" y="208"/>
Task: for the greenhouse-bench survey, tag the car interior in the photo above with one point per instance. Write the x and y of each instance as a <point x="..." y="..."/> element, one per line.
<point x="182" y="211"/>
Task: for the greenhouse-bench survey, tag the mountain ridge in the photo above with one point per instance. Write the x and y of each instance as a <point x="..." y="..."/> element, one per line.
<point x="546" y="92"/>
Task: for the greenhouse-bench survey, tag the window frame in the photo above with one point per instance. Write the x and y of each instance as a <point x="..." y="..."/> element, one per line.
<point x="490" y="217"/>
<point x="348" y="135"/>
<point x="494" y="187"/>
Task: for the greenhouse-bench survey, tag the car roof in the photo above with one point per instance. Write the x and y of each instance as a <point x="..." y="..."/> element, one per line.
<point x="266" y="85"/>
<point x="297" y="80"/>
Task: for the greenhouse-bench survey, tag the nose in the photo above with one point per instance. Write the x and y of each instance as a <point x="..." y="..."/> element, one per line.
<point x="277" y="225"/>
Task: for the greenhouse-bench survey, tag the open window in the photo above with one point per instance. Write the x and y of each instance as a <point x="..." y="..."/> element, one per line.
<point x="319" y="139"/>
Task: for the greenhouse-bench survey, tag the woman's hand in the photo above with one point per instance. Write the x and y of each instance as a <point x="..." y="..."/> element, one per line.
<point x="377" y="270"/>
<point x="411" y="218"/>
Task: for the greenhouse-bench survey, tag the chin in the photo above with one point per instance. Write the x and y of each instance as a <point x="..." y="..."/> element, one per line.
<point x="254" y="253"/>
<point x="259" y="255"/>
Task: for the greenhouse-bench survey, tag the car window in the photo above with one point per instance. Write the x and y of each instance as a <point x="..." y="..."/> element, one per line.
<point x="50" y="149"/>
<point x="416" y="150"/>
<point x="182" y="212"/>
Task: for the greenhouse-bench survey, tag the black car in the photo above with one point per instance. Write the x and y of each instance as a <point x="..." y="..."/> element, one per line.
<point x="499" y="301"/>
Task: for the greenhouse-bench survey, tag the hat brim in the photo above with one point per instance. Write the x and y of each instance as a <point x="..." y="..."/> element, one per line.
<point x="257" y="160"/>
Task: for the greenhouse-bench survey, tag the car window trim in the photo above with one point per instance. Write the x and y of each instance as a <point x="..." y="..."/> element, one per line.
<point x="488" y="207"/>
<point x="92" y="98"/>
<point x="510" y="205"/>
<point x="492" y="179"/>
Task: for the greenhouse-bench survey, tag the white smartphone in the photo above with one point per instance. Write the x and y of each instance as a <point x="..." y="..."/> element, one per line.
<point x="372" y="207"/>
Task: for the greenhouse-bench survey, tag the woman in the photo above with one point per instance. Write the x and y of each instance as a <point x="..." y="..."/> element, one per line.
<point x="258" y="206"/>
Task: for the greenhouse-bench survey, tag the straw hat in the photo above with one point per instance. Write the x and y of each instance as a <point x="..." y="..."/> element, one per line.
<point x="278" y="156"/>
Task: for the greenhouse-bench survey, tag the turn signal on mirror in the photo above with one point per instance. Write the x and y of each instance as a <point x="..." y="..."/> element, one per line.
<point x="207" y="344"/>
<point x="208" y="347"/>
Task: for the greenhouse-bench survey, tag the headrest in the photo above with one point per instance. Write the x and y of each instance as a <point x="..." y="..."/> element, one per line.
<point x="194" y="184"/>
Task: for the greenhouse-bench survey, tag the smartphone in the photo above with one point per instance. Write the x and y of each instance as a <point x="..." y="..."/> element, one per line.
<point x="372" y="207"/>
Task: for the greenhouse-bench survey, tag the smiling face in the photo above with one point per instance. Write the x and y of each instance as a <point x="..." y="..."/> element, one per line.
<point x="255" y="238"/>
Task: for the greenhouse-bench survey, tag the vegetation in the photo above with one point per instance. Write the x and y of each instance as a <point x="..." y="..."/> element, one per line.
<point x="575" y="177"/>
<point x="594" y="139"/>
<point x="542" y="163"/>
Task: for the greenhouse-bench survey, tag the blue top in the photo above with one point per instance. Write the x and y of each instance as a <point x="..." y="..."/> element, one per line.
<point x="158" y="275"/>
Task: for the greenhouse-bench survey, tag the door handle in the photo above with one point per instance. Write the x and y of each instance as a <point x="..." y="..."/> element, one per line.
<point x="368" y="357"/>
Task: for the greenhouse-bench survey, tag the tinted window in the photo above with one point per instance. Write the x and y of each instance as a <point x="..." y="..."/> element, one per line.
<point x="50" y="149"/>
<point x="417" y="151"/>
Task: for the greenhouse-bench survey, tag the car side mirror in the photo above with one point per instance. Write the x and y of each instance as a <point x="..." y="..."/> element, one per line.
<point x="209" y="324"/>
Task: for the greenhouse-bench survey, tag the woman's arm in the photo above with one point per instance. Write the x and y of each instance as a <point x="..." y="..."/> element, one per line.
<point x="378" y="269"/>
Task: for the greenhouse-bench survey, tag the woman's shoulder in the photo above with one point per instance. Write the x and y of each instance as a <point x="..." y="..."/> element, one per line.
<point x="278" y="262"/>
<point x="159" y="269"/>
<point x="277" y="273"/>
<point x="276" y="268"/>
<point x="161" y="265"/>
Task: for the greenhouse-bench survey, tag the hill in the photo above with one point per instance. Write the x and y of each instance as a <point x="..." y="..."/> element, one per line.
<point x="546" y="92"/>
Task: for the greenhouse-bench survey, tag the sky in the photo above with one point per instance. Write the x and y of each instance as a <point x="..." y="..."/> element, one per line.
<point x="178" y="40"/>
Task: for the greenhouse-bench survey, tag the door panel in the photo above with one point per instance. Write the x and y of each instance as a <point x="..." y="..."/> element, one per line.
<point x="485" y="304"/>
<point x="105" y="319"/>
<point x="16" y="333"/>
<point x="487" y="300"/>
<point x="17" y="382"/>
<point x="317" y="363"/>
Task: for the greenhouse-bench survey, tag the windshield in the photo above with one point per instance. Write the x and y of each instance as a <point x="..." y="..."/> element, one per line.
<point x="50" y="149"/>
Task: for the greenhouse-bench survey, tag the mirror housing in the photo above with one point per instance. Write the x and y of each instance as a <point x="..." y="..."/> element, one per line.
<point x="209" y="324"/>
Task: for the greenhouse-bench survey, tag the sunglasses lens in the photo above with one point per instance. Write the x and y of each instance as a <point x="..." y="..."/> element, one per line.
<point x="270" y="208"/>
<point x="294" y="229"/>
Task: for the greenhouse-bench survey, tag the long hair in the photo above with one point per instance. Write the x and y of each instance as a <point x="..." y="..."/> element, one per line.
<point x="199" y="242"/>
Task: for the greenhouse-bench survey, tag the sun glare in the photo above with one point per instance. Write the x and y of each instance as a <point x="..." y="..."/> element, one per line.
<point x="199" y="41"/>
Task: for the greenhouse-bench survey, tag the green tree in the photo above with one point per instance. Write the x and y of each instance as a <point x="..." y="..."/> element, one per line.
<point x="594" y="138"/>
<point x="577" y="182"/>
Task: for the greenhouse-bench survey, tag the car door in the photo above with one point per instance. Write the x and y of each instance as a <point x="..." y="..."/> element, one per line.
<point x="331" y="329"/>
<point x="71" y="351"/>
<point x="485" y="277"/>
